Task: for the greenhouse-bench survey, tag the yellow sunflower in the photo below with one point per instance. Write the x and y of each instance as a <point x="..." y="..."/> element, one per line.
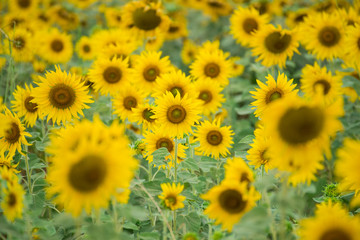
<point x="113" y="16"/>
<point x="209" y="95"/>
<point x="212" y="66"/>
<point x="236" y="169"/>
<point x="171" y="195"/>
<point x="21" y="44"/>
<point x="159" y="138"/>
<point x="175" y="82"/>
<point x="23" y="105"/>
<point x="63" y="16"/>
<point x="146" y="20"/>
<point x="177" y="115"/>
<point x="331" y="221"/>
<point x="82" y="3"/>
<point x="216" y="8"/>
<point x="87" y="175"/>
<point x="154" y="43"/>
<point x="24" y="7"/>
<point x="296" y="18"/>
<point x="274" y="45"/>
<point x="117" y="50"/>
<point x="346" y="166"/>
<point x="323" y="34"/>
<point x="214" y="140"/>
<point x="271" y="91"/>
<point x="148" y="66"/>
<point x="349" y="16"/>
<point x="126" y="99"/>
<point x="315" y="80"/>
<point x="13" y="200"/>
<point x="109" y="75"/>
<point x="61" y="96"/>
<point x="188" y="52"/>
<point x="300" y="133"/>
<point x="85" y="48"/>
<point x="352" y="47"/>
<point x="245" y="22"/>
<point x="55" y="47"/>
<point x="13" y="136"/>
<point x="229" y="201"/>
<point x="237" y="69"/>
<point x="177" y="28"/>
<point x="143" y="114"/>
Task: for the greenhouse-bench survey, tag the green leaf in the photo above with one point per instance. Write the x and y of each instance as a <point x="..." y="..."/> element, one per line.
<point x="192" y="222"/>
<point x="149" y="236"/>
<point x="247" y="139"/>
<point x="159" y="156"/>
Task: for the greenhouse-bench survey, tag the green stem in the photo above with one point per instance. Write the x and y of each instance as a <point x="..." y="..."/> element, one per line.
<point x="174" y="220"/>
<point x="175" y="159"/>
<point x="115" y="215"/>
<point x="28" y="175"/>
<point x="150" y="171"/>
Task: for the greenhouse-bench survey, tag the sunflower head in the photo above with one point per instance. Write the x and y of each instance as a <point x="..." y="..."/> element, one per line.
<point x="171" y="195"/>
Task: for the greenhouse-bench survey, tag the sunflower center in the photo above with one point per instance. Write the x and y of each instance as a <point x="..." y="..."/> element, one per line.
<point x="358" y="43"/>
<point x="212" y="70"/>
<point x="12" y="134"/>
<point x="300" y="18"/>
<point x="215" y="4"/>
<point x="250" y="25"/>
<point x="130" y="102"/>
<point x="173" y="29"/>
<point x="277" y="43"/>
<point x="171" y="199"/>
<point x="86" y="48"/>
<point x="166" y="143"/>
<point x="30" y="107"/>
<point x="150" y="73"/>
<point x="112" y="75"/>
<point x="329" y="36"/>
<point x="325" y="85"/>
<point x="88" y="174"/>
<point x="57" y="45"/>
<point x="264" y="157"/>
<point x="273" y="95"/>
<point x="147" y="114"/>
<point x="335" y="234"/>
<point x="11" y="199"/>
<point x="19" y="43"/>
<point x="62" y="96"/>
<point x="146" y="20"/>
<point x="231" y="201"/>
<point x="175" y="90"/>
<point x="214" y="137"/>
<point x="176" y="114"/>
<point x="24" y="3"/>
<point x="301" y="125"/>
<point x="206" y="96"/>
<point x="244" y="178"/>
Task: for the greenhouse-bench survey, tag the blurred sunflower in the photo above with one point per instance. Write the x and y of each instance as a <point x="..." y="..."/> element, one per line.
<point x="209" y="95"/>
<point x="113" y="16"/>
<point x="154" y="43"/>
<point x="271" y="91"/>
<point x="330" y="222"/>
<point x="23" y="105"/>
<point x="117" y="50"/>
<point x="25" y="7"/>
<point x="229" y="201"/>
<point x="177" y="115"/>
<point x="188" y="52"/>
<point x="61" y="96"/>
<point x="21" y="45"/>
<point x="13" y="200"/>
<point x="352" y="43"/>
<point x="237" y="69"/>
<point x="236" y="169"/>
<point x="108" y="75"/>
<point x="85" y="48"/>
<point x="143" y="114"/>
<point x="274" y="45"/>
<point x="214" y="140"/>
<point x="82" y="3"/>
<point x="245" y="22"/>
<point x="171" y="195"/>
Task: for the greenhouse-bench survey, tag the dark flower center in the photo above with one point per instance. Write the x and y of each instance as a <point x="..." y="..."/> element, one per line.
<point x="150" y="73"/>
<point x="86" y="48"/>
<point x="300" y="18"/>
<point x="147" y="114"/>
<point x="250" y="25"/>
<point x="62" y="96"/>
<point x="175" y="90"/>
<point x="329" y="36"/>
<point x="214" y="137"/>
<point x="146" y="20"/>
<point x="277" y="43"/>
<point x="12" y="135"/>
<point x="173" y="29"/>
<point x="301" y="125"/>
<point x="205" y="95"/>
<point x="166" y="143"/>
<point x="212" y="70"/>
<point x="19" y="43"/>
<point x="88" y="174"/>
<point x="171" y="199"/>
<point x="231" y="201"/>
<point x="57" y="45"/>
<point x="335" y="234"/>
<point x="112" y="75"/>
<point x="273" y="94"/>
<point x="324" y="84"/>
<point x="176" y="114"/>
<point x="11" y="199"/>
<point x="24" y="3"/>
<point x="130" y="102"/>
<point x="30" y="106"/>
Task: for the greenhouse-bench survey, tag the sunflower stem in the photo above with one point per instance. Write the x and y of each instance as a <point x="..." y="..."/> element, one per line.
<point x="150" y="171"/>
<point x="28" y="176"/>
<point x="283" y="208"/>
<point x="174" y="220"/>
<point x="175" y="159"/>
<point x="115" y="215"/>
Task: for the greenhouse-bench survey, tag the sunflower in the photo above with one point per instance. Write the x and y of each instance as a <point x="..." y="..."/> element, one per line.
<point x="109" y="75"/>
<point x="126" y="99"/>
<point x="214" y="140"/>
<point x="145" y="20"/>
<point x="14" y="135"/>
<point x="95" y="169"/>
<point x="316" y="80"/>
<point x="117" y="50"/>
<point x="175" y="114"/>
<point x="148" y="66"/>
<point x="85" y="48"/>
<point x="350" y="16"/>
<point x="64" y="17"/>
<point x="171" y="195"/>
<point x="23" y="105"/>
<point x="274" y="45"/>
<point x="143" y="114"/>
<point x="113" y="16"/>
<point x="13" y="200"/>
<point x="209" y="95"/>
<point x="60" y="96"/>
<point x="159" y="138"/>
<point x="346" y="166"/>
<point x="188" y="52"/>
<point x="237" y="69"/>
<point x="296" y="18"/>
<point x="271" y="91"/>
<point x="330" y="222"/>
<point x="352" y="43"/>
<point x="177" y="28"/>
<point x="211" y="65"/>
<point x="245" y="22"/>
<point x="229" y="201"/>
<point x="55" y="47"/>
<point x="154" y="43"/>
<point x="258" y="153"/>
<point x="175" y="82"/>
<point x="24" y="7"/>
<point x="236" y="169"/>
<point x="300" y="133"/>
<point x="21" y="45"/>
<point x="216" y="8"/>
<point x="323" y="35"/>
<point x="82" y="3"/>
<point x="123" y="196"/>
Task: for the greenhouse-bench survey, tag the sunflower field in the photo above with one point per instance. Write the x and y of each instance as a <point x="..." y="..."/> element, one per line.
<point x="180" y="119"/>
